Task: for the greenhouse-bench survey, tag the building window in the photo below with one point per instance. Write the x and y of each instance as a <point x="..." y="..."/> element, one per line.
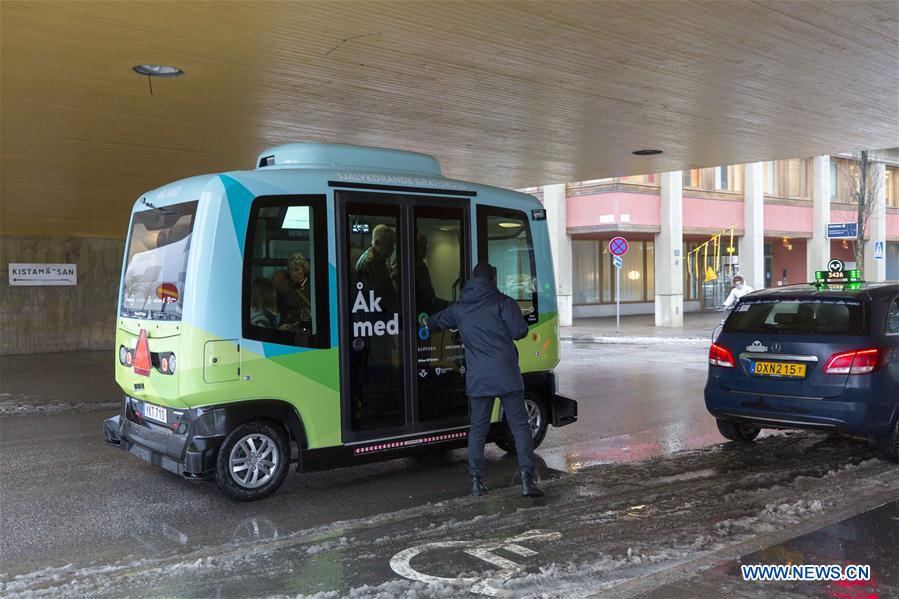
<point x="770" y="171"/>
<point x="834" y="179"/>
<point x="692" y="178"/>
<point x="720" y="178"/>
<point x="585" y="263"/>
<point x="594" y="273"/>
<point x="795" y="180"/>
<point x="891" y="182"/>
<point x="651" y="179"/>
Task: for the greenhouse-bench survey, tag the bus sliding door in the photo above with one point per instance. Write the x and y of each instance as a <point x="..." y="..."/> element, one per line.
<point x="439" y="273"/>
<point x="402" y="257"/>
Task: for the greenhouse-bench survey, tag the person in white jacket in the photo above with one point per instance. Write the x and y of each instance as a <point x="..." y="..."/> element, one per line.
<point x="740" y="289"/>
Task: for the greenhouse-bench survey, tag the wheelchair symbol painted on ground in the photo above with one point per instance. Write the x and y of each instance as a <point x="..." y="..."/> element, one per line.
<point x="401" y="563"/>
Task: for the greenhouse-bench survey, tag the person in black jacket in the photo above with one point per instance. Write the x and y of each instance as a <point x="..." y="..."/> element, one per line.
<point x="489" y="322"/>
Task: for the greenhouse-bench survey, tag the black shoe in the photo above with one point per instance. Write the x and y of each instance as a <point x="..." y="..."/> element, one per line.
<point x="528" y="487"/>
<point x="478" y="487"/>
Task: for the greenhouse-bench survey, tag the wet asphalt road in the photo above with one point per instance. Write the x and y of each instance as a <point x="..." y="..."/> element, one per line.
<point x="80" y="517"/>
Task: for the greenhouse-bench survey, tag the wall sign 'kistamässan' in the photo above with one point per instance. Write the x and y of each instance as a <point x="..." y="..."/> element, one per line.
<point x="43" y="274"/>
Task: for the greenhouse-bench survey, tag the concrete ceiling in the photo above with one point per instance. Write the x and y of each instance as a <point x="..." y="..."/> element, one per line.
<point x="509" y="93"/>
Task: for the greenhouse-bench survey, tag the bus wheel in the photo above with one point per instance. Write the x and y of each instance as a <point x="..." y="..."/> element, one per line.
<point x="252" y="462"/>
<point x="538" y="416"/>
<point x="741" y="432"/>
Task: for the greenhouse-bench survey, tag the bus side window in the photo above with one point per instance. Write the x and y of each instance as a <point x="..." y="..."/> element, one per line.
<point x="504" y="240"/>
<point x="285" y="282"/>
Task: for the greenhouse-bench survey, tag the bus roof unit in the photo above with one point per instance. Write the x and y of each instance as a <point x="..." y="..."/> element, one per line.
<point x="314" y="155"/>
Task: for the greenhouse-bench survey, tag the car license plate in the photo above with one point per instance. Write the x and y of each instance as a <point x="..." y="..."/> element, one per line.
<point x="155" y="413"/>
<point x="785" y="369"/>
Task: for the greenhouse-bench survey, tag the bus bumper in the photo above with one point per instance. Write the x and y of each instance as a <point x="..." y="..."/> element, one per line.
<point x="563" y="410"/>
<point x="180" y="452"/>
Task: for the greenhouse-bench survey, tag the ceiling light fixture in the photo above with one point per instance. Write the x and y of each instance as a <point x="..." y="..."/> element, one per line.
<point x="509" y="225"/>
<point x="157" y="70"/>
<point x="647" y="152"/>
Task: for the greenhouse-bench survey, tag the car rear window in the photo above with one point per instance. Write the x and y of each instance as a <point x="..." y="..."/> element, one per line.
<point x="818" y="316"/>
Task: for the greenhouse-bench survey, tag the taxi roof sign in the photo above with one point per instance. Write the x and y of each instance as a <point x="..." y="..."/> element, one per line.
<point x="836" y="274"/>
<point x="837" y="277"/>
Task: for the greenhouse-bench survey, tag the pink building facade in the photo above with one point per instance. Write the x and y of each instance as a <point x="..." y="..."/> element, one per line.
<point x="773" y="217"/>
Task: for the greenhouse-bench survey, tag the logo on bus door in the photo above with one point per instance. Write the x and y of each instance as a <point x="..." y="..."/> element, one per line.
<point x="372" y="327"/>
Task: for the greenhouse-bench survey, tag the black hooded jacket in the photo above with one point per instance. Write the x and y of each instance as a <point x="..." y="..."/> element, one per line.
<point x="488" y="322"/>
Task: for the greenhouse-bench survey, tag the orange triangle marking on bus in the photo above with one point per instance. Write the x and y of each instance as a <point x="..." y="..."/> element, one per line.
<point x="142" y="355"/>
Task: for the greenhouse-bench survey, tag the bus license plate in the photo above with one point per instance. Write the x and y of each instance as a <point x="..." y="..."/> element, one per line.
<point x="785" y="369"/>
<point x="155" y="413"/>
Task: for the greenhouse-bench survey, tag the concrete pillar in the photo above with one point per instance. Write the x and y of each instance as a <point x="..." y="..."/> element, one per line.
<point x="669" y="261"/>
<point x="818" y="248"/>
<point x="876" y="270"/>
<point x="752" y="246"/>
<point x="560" y="246"/>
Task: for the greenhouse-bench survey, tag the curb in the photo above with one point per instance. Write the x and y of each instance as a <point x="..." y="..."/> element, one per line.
<point x="615" y="340"/>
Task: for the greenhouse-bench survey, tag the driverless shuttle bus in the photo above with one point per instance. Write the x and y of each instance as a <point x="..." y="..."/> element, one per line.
<point x="274" y="316"/>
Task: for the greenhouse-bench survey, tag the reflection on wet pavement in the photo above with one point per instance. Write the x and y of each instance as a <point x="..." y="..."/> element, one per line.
<point x="870" y="538"/>
<point x="593" y="532"/>
<point x="639" y="483"/>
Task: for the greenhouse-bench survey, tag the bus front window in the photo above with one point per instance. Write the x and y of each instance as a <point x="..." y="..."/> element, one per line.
<point x="156" y="266"/>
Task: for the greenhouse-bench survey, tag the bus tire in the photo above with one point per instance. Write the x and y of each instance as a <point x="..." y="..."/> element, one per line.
<point x="253" y="461"/>
<point x="740" y="432"/>
<point x="539" y="419"/>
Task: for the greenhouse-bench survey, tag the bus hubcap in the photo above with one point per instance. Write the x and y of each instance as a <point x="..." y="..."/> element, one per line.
<point x="254" y="460"/>
<point x="535" y="417"/>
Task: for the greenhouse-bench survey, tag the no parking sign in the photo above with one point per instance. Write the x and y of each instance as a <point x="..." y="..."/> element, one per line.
<point x="618" y="246"/>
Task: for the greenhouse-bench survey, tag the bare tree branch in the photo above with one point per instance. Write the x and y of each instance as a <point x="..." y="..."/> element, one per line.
<point x="863" y="189"/>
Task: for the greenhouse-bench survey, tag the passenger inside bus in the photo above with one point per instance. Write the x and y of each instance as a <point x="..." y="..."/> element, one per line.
<point x="425" y="297"/>
<point x="375" y="272"/>
<point x="297" y="305"/>
<point x="263" y="309"/>
<point x="281" y="283"/>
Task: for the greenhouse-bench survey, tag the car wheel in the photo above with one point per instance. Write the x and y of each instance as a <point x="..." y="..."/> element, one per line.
<point x="741" y="432"/>
<point x="252" y="462"/>
<point x="538" y="416"/>
<point x="889" y="447"/>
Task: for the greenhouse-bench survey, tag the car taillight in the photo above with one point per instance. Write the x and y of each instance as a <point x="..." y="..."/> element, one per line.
<point x="720" y="356"/>
<point x="860" y="361"/>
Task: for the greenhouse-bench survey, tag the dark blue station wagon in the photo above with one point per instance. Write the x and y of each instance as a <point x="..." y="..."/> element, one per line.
<point x="810" y="357"/>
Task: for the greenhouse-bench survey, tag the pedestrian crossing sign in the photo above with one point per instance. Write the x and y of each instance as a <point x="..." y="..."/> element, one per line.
<point x="879" y="253"/>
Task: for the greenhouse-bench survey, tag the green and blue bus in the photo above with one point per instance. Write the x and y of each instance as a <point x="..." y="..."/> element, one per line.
<point x="275" y="316"/>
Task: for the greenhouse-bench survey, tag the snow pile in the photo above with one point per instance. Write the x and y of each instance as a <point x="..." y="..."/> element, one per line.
<point x="329" y="546"/>
<point x="393" y="589"/>
<point x="773" y="517"/>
